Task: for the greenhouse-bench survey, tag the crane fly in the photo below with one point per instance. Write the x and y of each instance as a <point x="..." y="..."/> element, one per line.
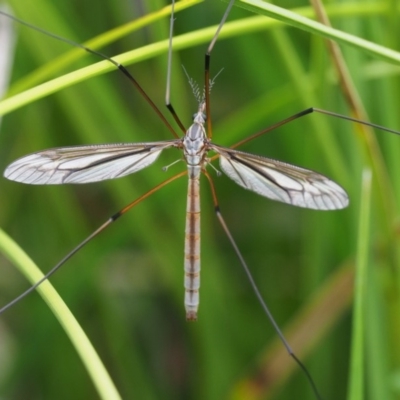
<point x="270" y="178"/>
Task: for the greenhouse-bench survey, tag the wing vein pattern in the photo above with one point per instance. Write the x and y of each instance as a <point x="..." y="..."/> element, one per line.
<point x="84" y="164"/>
<point x="280" y="181"/>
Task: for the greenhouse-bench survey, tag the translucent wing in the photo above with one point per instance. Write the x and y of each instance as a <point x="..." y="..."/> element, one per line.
<point x="280" y="181"/>
<point x="83" y="164"/>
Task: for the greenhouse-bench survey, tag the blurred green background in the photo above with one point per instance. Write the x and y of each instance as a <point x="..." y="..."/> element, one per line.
<point x="126" y="286"/>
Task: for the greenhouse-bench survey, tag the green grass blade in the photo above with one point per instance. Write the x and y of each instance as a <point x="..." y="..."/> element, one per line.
<point x="319" y="29"/>
<point x="356" y="378"/>
<point x="104" y="39"/>
<point x="101" y="379"/>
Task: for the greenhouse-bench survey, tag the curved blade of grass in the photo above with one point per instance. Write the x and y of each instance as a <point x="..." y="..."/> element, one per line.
<point x="298" y="21"/>
<point x="356" y="375"/>
<point x="104" y="39"/>
<point x="128" y="58"/>
<point x="100" y="377"/>
<point x="57" y="64"/>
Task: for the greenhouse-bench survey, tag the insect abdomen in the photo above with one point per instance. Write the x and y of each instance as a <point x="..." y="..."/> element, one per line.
<point x="192" y="249"/>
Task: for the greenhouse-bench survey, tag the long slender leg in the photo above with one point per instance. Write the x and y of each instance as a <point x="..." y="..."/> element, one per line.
<point x="310" y="111"/>
<point x="103" y="56"/>
<point x="168" y="86"/>
<point x="90" y="237"/>
<point x="256" y="290"/>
